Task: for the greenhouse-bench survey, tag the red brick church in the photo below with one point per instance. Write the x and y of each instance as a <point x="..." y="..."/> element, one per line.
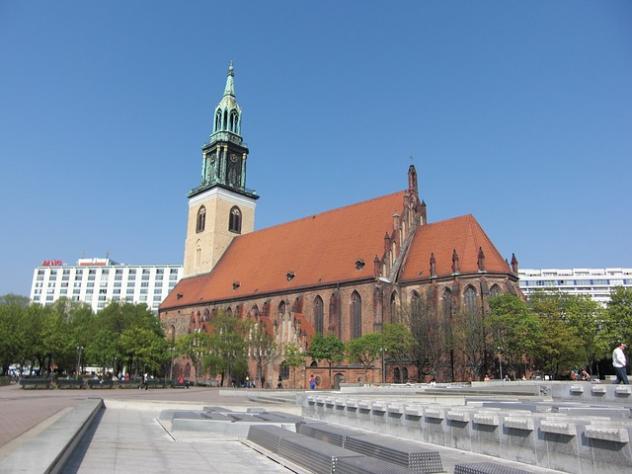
<point x="345" y="271"/>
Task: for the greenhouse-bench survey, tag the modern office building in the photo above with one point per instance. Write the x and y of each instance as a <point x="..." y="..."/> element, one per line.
<point x="594" y="282"/>
<point x="98" y="281"/>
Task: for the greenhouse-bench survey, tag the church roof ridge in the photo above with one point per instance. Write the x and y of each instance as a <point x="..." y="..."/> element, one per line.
<point x="323" y="213"/>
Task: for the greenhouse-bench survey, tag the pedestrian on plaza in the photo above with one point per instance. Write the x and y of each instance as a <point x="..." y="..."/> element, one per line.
<point x="619" y="364"/>
<point x="312" y="382"/>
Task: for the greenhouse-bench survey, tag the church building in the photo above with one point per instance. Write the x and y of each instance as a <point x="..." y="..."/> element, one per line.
<point x="345" y="271"/>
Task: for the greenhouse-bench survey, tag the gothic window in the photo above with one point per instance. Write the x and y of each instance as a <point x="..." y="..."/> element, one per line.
<point x="469" y="299"/>
<point x="495" y="291"/>
<point x="282" y="307"/>
<point x="229" y="311"/>
<point x="218" y="120"/>
<point x="225" y="120"/>
<point x="318" y="315"/>
<point x="201" y="219"/>
<point x="284" y="373"/>
<point x="234" y="220"/>
<point x="447" y="304"/>
<point x="334" y="317"/>
<point x="394" y="312"/>
<point x="233" y="121"/>
<point x="172" y="333"/>
<point x="356" y="315"/>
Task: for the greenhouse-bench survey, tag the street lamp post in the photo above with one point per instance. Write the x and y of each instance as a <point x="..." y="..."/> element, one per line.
<point x="382" y="350"/>
<point x="79" y="350"/>
<point x="500" y="362"/>
<point x="172" y="349"/>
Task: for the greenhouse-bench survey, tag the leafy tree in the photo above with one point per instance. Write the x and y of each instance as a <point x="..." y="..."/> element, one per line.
<point x="467" y="341"/>
<point x="294" y="358"/>
<point x="229" y="346"/>
<point x="144" y="348"/>
<point x="617" y="321"/>
<point x="560" y="349"/>
<point x="196" y="346"/>
<point x="365" y="350"/>
<point x="262" y="348"/>
<point x="328" y="348"/>
<point x="13" y="334"/>
<point x="398" y="342"/>
<point x="516" y="332"/>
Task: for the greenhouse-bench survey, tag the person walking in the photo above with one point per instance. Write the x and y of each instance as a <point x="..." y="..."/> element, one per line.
<point x="619" y="362"/>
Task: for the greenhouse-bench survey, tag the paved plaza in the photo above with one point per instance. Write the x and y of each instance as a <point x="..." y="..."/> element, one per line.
<point x="561" y="427"/>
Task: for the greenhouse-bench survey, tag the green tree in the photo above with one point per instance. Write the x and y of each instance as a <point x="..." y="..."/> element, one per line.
<point x="560" y="348"/>
<point x="262" y="348"/>
<point x="515" y="332"/>
<point x="365" y="350"/>
<point x="229" y="346"/>
<point x="617" y="321"/>
<point x="294" y="358"/>
<point x="328" y="348"/>
<point x="13" y="331"/>
<point x="196" y="346"/>
<point x="145" y="349"/>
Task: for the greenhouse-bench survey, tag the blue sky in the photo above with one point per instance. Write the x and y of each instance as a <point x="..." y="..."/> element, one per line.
<point x="517" y="112"/>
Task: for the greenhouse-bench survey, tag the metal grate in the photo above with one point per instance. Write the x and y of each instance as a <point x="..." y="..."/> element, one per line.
<point x="314" y="455"/>
<point x="328" y="433"/>
<point x="268" y="437"/>
<point x="486" y="468"/>
<point x="404" y="453"/>
<point x="365" y="465"/>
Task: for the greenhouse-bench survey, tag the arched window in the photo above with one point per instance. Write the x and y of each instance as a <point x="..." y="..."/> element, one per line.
<point x="469" y="299"/>
<point x="254" y="311"/>
<point x="405" y="374"/>
<point x="218" y="120"/>
<point x="233" y="121"/>
<point x="225" y="126"/>
<point x="447" y="304"/>
<point x="284" y="373"/>
<point x="282" y="307"/>
<point x="334" y="316"/>
<point x="201" y="219"/>
<point x="495" y="291"/>
<point x="172" y="333"/>
<point x="234" y="220"/>
<point x="319" y="322"/>
<point x="394" y="312"/>
<point x="229" y="311"/>
<point x="356" y="315"/>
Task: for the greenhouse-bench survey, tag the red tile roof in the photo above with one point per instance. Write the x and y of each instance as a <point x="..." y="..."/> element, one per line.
<point x="318" y="249"/>
<point x="463" y="234"/>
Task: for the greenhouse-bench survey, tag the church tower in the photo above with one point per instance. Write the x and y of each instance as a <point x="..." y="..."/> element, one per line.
<point x="221" y="207"/>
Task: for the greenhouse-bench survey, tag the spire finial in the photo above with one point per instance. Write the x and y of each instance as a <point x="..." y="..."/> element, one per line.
<point x="230" y="85"/>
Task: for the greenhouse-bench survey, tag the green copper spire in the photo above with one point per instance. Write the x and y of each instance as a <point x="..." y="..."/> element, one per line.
<point x="230" y="85"/>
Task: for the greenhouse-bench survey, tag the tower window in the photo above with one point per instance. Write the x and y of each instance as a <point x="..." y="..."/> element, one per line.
<point x="234" y="220"/>
<point x="201" y="220"/>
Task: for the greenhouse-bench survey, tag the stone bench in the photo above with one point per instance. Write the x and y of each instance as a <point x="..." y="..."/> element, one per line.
<point x="96" y="383"/>
<point x="70" y="383"/>
<point x="35" y="382"/>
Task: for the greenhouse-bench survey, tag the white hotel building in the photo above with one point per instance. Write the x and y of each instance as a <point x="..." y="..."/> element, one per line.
<point x="593" y="282"/>
<point x="98" y="281"/>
